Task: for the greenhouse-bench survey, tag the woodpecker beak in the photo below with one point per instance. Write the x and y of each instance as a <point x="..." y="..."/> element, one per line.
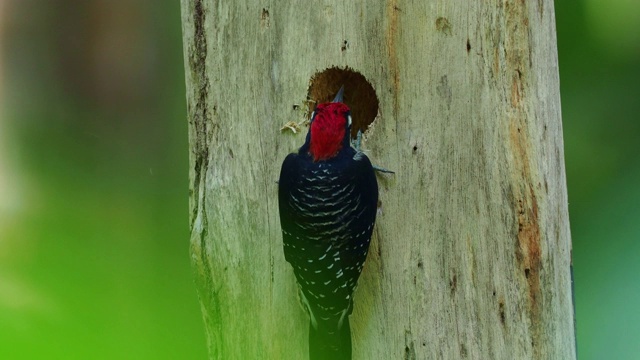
<point x="339" y="95"/>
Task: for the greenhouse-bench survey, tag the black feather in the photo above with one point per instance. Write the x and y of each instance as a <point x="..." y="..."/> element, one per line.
<point x="327" y="213"/>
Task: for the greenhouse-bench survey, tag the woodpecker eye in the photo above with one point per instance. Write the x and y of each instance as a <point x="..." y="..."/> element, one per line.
<point x="349" y="119"/>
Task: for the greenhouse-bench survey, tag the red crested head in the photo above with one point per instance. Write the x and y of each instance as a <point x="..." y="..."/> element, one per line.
<point x="328" y="129"/>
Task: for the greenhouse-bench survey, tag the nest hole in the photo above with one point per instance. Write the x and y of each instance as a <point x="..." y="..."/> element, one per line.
<point x="359" y="95"/>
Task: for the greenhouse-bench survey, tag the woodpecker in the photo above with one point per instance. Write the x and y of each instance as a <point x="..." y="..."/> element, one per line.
<point x="328" y="196"/>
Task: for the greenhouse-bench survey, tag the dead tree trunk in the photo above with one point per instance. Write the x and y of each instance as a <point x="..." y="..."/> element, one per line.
<point x="471" y="253"/>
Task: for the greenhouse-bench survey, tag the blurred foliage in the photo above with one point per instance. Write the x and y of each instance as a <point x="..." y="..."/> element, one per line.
<point x="94" y="260"/>
<point x="93" y="214"/>
<point x="599" y="51"/>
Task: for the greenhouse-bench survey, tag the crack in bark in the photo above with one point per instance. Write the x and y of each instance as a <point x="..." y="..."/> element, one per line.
<point x="199" y="133"/>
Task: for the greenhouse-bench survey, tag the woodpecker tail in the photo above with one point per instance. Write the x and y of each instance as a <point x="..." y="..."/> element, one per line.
<point x="330" y="342"/>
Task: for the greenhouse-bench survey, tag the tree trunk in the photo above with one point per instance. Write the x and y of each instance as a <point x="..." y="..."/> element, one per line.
<point x="471" y="253"/>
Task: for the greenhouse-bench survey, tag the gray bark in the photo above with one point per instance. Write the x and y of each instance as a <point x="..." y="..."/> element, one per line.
<point x="471" y="253"/>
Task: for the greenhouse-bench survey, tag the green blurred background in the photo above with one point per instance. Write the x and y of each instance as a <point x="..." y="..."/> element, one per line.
<point x="94" y="257"/>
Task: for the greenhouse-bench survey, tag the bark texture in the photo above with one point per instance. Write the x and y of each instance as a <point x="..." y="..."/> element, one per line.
<point x="471" y="253"/>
